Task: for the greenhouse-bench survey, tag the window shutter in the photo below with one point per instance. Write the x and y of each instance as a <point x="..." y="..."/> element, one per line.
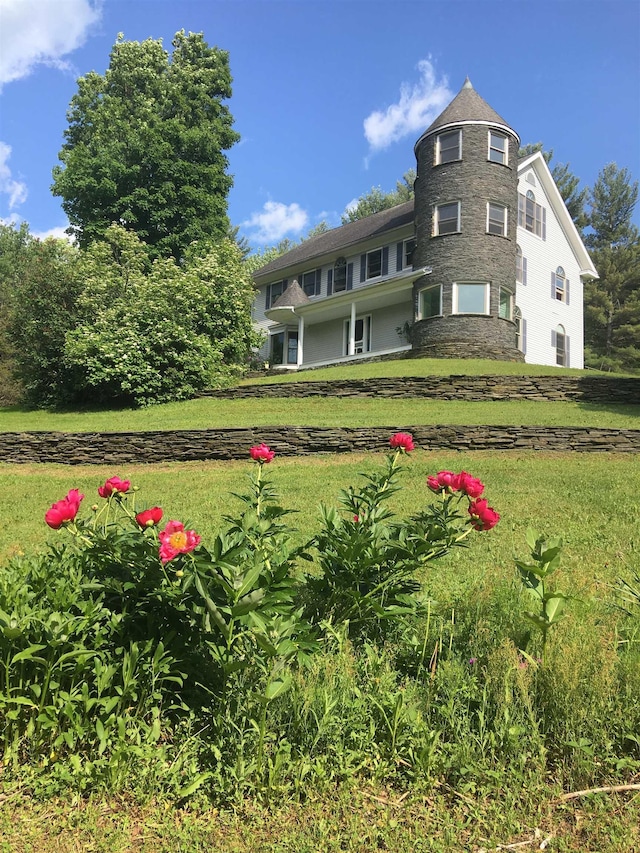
<point x="566" y="290"/>
<point x="554" y="342"/>
<point x="566" y="351"/>
<point x="523" y="334"/>
<point x="363" y="267"/>
<point x="553" y="285"/>
<point x="349" y="276"/>
<point x="329" y="282"/>
<point x="267" y="298"/>
<point x="524" y="270"/>
<point x="544" y="223"/>
<point x="399" y="257"/>
<point x="318" y="282"/>
<point x="385" y="261"/>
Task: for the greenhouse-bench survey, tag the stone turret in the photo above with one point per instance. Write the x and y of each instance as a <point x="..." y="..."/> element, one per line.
<point x="466" y="220"/>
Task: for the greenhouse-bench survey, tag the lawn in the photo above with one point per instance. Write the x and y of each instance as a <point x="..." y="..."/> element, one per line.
<point x="590" y="500"/>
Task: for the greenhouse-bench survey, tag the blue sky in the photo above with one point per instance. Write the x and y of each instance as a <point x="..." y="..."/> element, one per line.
<point x="330" y="97"/>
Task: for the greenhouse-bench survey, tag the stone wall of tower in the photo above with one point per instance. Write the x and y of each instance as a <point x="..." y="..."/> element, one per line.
<point x="472" y="255"/>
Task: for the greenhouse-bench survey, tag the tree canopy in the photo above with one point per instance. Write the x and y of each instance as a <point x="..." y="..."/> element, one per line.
<point x="612" y="302"/>
<point x="376" y="199"/>
<point x="145" y="146"/>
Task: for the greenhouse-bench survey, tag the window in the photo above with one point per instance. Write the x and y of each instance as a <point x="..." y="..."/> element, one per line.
<point x="374" y="264"/>
<point x="496" y="219"/>
<point x="471" y="298"/>
<point x="274" y="291"/>
<point x="531" y="216"/>
<point x="409" y="246"/>
<point x="340" y="275"/>
<point x="520" y="326"/>
<point x="310" y="282"/>
<point x="521" y="267"/>
<point x="559" y="341"/>
<point x="284" y="345"/>
<point x="362" y="336"/>
<point x="559" y="285"/>
<point x="506" y="304"/>
<point x="449" y="147"/>
<point x="498" y="148"/>
<point x="446" y="218"/>
<point x="430" y="302"/>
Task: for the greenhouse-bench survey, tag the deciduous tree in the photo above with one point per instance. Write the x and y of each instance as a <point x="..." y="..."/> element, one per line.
<point x="376" y="200"/>
<point x="145" y="147"/>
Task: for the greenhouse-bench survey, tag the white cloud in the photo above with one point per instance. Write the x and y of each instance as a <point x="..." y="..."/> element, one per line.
<point x="16" y="190"/>
<point x="58" y="233"/>
<point x="276" y="221"/>
<point x="418" y="106"/>
<point x="42" y="32"/>
<point x="351" y="206"/>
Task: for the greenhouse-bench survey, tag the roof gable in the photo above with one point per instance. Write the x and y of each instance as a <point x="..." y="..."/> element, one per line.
<point x="539" y="165"/>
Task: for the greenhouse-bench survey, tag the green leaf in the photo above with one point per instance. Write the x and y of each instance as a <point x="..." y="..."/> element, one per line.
<point x="554" y="607"/>
<point x="277" y="687"/>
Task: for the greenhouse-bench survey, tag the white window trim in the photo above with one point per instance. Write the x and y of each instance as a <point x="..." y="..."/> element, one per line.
<point x="562" y="288"/>
<point x="405" y="265"/>
<point x="436" y="219"/>
<point x="487" y="294"/>
<point x="438" y="158"/>
<point x="491" y="148"/>
<point x="420" y="292"/>
<point x="366" y="329"/>
<point x="505" y="220"/>
<point x="519" y="266"/>
<point x="511" y="302"/>
<point x="366" y="269"/>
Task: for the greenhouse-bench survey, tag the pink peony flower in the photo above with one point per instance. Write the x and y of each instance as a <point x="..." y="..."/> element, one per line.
<point x="483" y="517"/>
<point x="174" y="540"/>
<point x="149" y="517"/>
<point x="262" y="453"/>
<point x="442" y="480"/>
<point x="402" y="441"/>
<point x="113" y="485"/>
<point x="471" y="486"/>
<point x="64" y="511"/>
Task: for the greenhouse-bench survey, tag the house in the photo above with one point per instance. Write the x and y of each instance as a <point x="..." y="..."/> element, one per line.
<point x="485" y="261"/>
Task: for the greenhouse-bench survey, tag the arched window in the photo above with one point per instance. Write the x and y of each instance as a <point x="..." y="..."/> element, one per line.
<point x="560" y="285"/>
<point x="520" y="327"/>
<point x="560" y="337"/>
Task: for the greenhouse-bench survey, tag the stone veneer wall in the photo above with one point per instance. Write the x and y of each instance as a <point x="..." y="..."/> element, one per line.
<point x="224" y="444"/>
<point x="227" y="444"/>
<point x="596" y="389"/>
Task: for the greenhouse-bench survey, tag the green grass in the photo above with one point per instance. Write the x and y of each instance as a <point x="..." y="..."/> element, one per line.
<point x="586" y="498"/>
<point x="423" y="367"/>
<point x="207" y="413"/>
<point x="359" y="820"/>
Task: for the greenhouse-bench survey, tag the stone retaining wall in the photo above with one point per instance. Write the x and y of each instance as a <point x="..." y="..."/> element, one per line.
<point x="226" y="444"/>
<point x="584" y="389"/>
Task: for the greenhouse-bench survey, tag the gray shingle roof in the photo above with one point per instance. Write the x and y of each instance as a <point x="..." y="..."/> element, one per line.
<point x="466" y="106"/>
<point x="334" y="241"/>
<point x="293" y="296"/>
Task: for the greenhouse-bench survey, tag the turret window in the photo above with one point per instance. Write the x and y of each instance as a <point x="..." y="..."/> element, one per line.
<point x="446" y="218"/>
<point x="471" y="298"/>
<point x="506" y="304"/>
<point x="449" y="147"/>
<point x="498" y="148"/>
<point x="430" y="302"/>
<point x="497" y="219"/>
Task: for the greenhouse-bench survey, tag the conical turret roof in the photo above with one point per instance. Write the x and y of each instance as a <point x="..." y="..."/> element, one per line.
<point x="467" y="106"/>
<point x="293" y="296"/>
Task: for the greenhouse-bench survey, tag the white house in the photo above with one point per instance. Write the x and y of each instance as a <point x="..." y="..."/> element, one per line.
<point x="486" y="261"/>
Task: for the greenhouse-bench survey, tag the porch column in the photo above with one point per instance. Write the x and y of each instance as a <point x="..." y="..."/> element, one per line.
<point x="352" y="330"/>
<point x="300" y="340"/>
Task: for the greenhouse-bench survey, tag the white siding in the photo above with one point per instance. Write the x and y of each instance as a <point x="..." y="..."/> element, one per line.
<point x="541" y="312"/>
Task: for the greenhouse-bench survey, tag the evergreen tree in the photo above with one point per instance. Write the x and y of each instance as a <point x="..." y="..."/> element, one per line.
<point x="145" y="146"/>
<point x="612" y="302"/>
